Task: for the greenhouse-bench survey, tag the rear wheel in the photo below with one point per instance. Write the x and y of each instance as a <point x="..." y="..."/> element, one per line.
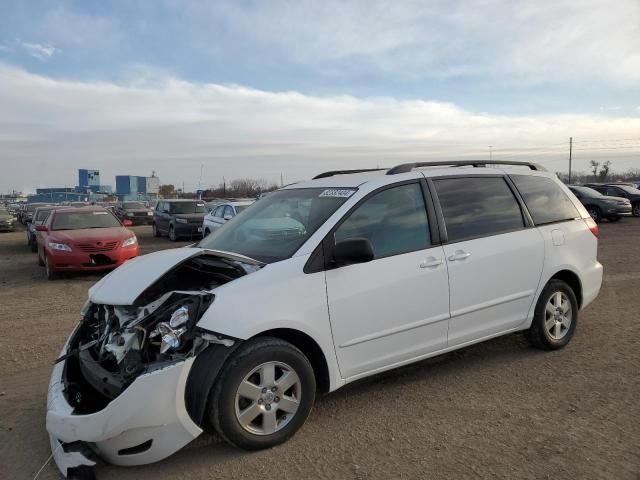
<point x="555" y="318"/>
<point x="263" y="395"/>
<point x="156" y="232"/>
<point x="595" y="213"/>
<point x="40" y="261"/>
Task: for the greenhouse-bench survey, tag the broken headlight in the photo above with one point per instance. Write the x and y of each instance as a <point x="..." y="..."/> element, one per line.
<point x="171" y="332"/>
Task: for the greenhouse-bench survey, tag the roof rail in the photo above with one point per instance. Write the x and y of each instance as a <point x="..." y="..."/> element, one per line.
<point x="407" y="167"/>
<point x="346" y="172"/>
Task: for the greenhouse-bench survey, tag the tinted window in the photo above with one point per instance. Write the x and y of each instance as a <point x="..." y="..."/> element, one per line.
<point x="477" y="207"/>
<point x="218" y="211"/>
<point x="545" y="200"/>
<point x="188" y="207"/>
<point x="228" y="211"/>
<point x="585" y="192"/>
<point x="394" y="221"/>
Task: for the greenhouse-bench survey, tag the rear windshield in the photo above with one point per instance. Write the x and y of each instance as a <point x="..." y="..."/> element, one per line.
<point x="82" y="220"/>
<point x="189" y="207"/>
<point x="134" y="205"/>
<point x="240" y="208"/>
<point x="586" y="191"/>
<point x="629" y="189"/>
<point x="42" y="215"/>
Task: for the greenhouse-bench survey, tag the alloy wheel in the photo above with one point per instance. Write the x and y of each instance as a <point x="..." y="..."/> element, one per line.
<point x="268" y="398"/>
<point x="558" y="315"/>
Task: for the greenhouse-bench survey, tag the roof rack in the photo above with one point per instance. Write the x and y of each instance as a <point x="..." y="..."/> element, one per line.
<point x="407" y="167"/>
<point x="346" y="172"/>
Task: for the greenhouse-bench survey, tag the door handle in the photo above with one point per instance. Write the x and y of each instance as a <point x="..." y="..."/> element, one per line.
<point x="458" y="255"/>
<point x="431" y="262"/>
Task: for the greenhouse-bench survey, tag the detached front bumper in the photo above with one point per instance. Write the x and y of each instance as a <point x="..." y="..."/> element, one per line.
<point x="144" y="424"/>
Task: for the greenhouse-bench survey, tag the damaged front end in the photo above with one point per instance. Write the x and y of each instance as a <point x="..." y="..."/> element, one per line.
<point x="132" y="381"/>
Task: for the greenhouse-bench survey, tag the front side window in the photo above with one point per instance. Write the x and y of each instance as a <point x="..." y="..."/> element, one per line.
<point x="545" y="200"/>
<point x="477" y="207"/>
<point x="228" y="212"/>
<point x="218" y="211"/>
<point x="274" y="228"/>
<point x="393" y="220"/>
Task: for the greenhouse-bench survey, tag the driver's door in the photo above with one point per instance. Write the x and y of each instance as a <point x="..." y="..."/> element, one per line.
<point x="394" y="308"/>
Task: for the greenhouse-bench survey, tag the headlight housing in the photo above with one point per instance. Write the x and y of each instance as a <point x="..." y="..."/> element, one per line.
<point x="130" y="241"/>
<point x="182" y="220"/>
<point x="129" y="214"/>
<point x="61" y="247"/>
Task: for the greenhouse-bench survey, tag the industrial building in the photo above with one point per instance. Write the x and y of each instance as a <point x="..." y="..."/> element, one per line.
<point x="131" y="187"/>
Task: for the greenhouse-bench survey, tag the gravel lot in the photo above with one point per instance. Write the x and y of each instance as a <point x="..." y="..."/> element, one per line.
<point x="494" y="410"/>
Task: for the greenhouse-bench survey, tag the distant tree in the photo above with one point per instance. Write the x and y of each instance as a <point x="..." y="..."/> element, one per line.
<point x="166" y="191"/>
<point x="594" y="168"/>
<point x="604" y="171"/>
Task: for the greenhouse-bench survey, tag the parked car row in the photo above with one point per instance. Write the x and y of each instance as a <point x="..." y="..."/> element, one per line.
<point x="610" y="201"/>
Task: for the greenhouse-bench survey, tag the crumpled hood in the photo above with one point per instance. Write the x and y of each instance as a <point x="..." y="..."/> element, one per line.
<point x="126" y="283"/>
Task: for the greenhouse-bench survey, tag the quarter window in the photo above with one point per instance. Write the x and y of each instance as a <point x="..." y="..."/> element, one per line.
<point x="393" y="220"/>
<point x="545" y="200"/>
<point x="477" y="207"/>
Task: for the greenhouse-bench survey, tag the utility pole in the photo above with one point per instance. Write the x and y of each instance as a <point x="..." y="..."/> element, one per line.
<point x="490" y="152"/>
<point x="281" y="181"/>
<point x="570" y="155"/>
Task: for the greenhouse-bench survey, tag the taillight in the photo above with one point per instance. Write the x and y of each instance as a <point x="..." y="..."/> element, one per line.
<point x="593" y="226"/>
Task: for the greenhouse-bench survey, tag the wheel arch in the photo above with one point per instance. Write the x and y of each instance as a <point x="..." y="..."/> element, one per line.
<point x="310" y="348"/>
<point x="571" y="279"/>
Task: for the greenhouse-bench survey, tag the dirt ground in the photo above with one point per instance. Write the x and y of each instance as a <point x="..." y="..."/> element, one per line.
<point x="495" y="410"/>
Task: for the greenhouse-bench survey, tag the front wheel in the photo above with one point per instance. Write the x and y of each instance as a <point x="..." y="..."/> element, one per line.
<point x="156" y="232"/>
<point x="614" y="219"/>
<point x="51" y="275"/>
<point x="172" y="234"/>
<point x="595" y="213"/>
<point x="263" y="395"/>
<point x="636" y="209"/>
<point x="555" y="318"/>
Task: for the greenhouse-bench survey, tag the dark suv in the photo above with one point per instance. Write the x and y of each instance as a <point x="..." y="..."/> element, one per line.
<point x="137" y="212"/>
<point x="601" y="206"/>
<point x="179" y="218"/>
<point x="620" y="190"/>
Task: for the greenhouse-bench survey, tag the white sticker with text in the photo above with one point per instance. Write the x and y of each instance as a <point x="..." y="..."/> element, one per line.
<point x="337" y="193"/>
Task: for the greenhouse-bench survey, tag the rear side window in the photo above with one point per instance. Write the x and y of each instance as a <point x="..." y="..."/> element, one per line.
<point x="545" y="200"/>
<point x="393" y="220"/>
<point x="477" y="207"/>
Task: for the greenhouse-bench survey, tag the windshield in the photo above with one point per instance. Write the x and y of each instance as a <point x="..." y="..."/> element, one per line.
<point x="628" y="189"/>
<point x="587" y="192"/>
<point x="189" y="207"/>
<point x="134" y="205"/>
<point x="82" y="220"/>
<point x="275" y="227"/>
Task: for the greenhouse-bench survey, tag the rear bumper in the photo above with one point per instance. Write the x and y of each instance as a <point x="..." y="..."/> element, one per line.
<point x="145" y="424"/>
<point x="591" y="283"/>
<point x="83" y="261"/>
<point x="618" y="210"/>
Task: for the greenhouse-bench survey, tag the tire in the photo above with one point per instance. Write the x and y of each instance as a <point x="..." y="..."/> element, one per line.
<point x="40" y="261"/>
<point x="172" y="234"/>
<point x="286" y="414"/>
<point x="635" y="209"/>
<point x="552" y="329"/>
<point x="206" y="233"/>
<point x="34" y="246"/>
<point x="595" y="213"/>
<point x="614" y="219"/>
<point x="51" y="275"/>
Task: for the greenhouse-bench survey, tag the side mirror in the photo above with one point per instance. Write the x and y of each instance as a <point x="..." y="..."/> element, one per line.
<point x="228" y="217"/>
<point x="353" y="250"/>
<point x="127" y="223"/>
<point x="41" y="228"/>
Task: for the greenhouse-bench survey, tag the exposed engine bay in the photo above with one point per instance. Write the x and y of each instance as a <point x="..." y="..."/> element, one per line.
<point x="113" y="344"/>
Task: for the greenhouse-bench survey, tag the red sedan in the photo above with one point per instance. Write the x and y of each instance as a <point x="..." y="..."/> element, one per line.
<point x="84" y="239"/>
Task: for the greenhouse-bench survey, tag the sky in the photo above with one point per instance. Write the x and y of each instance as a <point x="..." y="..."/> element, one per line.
<point x="198" y="91"/>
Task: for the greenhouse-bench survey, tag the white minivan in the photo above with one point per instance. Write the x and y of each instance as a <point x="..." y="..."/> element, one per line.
<point x="316" y="285"/>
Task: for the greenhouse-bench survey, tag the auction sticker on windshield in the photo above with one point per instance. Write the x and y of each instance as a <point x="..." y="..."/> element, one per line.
<point x="337" y="193"/>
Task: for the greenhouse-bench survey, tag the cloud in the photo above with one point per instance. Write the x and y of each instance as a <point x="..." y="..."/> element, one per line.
<point x="525" y="42"/>
<point x="173" y="126"/>
<point x="39" y="51"/>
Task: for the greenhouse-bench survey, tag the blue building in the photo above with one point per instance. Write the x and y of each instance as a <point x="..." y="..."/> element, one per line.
<point x="132" y="187"/>
<point x="88" y="178"/>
